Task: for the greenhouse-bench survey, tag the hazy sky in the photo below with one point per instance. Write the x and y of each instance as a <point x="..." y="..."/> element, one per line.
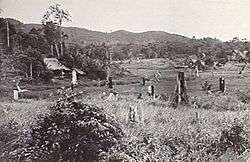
<point x="223" y="19"/>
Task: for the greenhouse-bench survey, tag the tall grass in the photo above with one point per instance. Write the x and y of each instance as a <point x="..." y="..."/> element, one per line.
<point x="162" y="125"/>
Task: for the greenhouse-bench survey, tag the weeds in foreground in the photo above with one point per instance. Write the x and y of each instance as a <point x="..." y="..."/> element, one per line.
<point x="79" y="131"/>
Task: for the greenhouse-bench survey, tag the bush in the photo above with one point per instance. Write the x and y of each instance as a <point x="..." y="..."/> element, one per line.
<point x="47" y="75"/>
<point x="8" y="134"/>
<point x="233" y="138"/>
<point x="94" y="72"/>
<point x="72" y="132"/>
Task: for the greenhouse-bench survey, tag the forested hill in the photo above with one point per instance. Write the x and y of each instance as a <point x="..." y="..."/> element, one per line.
<point x="85" y="36"/>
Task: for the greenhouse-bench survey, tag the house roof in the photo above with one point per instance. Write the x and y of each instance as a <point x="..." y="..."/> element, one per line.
<point x="79" y="71"/>
<point x="54" y="64"/>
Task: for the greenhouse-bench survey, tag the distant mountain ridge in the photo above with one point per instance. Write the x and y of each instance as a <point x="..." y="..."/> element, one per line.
<point x="84" y="36"/>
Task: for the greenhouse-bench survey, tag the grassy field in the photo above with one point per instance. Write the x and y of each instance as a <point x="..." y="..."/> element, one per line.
<point x="216" y="113"/>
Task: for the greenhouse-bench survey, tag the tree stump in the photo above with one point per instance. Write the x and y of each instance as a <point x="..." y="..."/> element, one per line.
<point x="132" y="115"/>
<point x="15" y="95"/>
<point x="135" y="115"/>
<point x="110" y="83"/>
<point x="143" y="81"/>
<point x="223" y="88"/>
<point x="180" y="95"/>
<point x="222" y="85"/>
<point x="99" y="82"/>
<point x="197" y="71"/>
<point x="152" y="91"/>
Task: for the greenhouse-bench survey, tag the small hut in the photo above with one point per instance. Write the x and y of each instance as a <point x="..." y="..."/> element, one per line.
<point x="54" y="65"/>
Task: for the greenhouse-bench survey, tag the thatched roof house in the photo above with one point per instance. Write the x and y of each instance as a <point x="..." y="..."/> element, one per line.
<point x="54" y="64"/>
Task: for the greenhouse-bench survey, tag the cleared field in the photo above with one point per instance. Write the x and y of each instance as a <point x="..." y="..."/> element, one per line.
<point x="131" y="85"/>
<point x="158" y="120"/>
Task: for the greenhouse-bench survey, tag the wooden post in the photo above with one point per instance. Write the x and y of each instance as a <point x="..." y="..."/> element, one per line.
<point x="74" y="76"/>
<point x="196" y="71"/>
<point x="223" y="88"/>
<point x="180" y="96"/>
<point x="131" y="114"/>
<point x="220" y="83"/>
<point x="143" y="81"/>
<point x="196" y="116"/>
<point x="153" y="91"/>
<point x="15" y="95"/>
<point x="31" y="71"/>
<point x="110" y="83"/>
<point x="99" y="82"/>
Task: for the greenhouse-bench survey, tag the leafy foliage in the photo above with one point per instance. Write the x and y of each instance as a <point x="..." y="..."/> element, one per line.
<point x="73" y="131"/>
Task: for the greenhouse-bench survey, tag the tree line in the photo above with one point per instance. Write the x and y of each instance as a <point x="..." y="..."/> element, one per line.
<point x="27" y="50"/>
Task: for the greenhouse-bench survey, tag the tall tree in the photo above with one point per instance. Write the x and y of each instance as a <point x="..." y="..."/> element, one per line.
<point x="29" y="61"/>
<point x="57" y="15"/>
<point x="52" y="35"/>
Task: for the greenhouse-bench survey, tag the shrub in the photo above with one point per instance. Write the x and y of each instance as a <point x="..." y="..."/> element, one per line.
<point x="47" y="75"/>
<point x="72" y="132"/>
<point x="233" y="138"/>
<point x="8" y="134"/>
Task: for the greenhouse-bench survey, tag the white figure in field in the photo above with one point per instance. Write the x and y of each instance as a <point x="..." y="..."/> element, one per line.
<point x="74" y="77"/>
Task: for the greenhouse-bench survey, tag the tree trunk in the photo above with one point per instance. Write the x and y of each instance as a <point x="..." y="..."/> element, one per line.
<point x="51" y="50"/>
<point x="108" y="73"/>
<point x="61" y="48"/>
<point x="61" y="41"/>
<point x="8" y="34"/>
<point x="31" y="71"/>
<point x="57" y="50"/>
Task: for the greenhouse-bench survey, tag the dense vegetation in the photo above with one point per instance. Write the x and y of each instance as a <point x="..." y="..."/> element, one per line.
<point x="28" y="48"/>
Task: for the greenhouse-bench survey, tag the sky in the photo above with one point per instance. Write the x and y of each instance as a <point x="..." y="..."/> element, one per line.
<point x="222" y="19"/>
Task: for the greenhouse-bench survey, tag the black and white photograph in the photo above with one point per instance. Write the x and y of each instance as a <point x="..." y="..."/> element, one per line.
<point x="124" y="80"/>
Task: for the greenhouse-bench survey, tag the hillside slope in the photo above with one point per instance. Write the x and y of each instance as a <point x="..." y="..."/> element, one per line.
<point x="85" y="36"/>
